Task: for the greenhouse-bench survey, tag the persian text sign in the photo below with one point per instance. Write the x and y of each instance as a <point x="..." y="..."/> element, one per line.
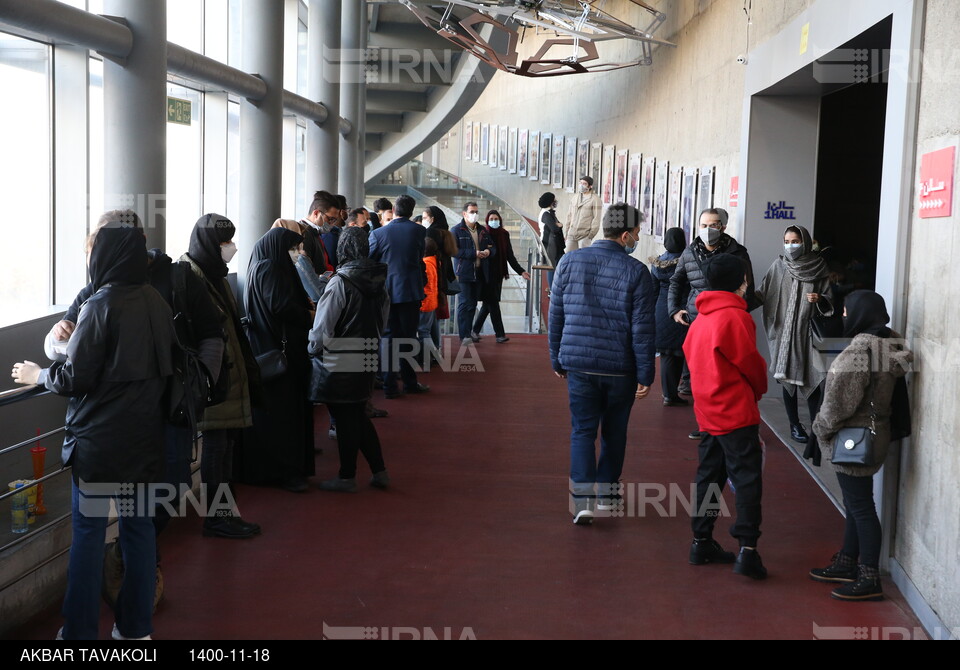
<point x="780" y="210"/>
<point x="734" y="191"/>
<point x="936" y="183"/>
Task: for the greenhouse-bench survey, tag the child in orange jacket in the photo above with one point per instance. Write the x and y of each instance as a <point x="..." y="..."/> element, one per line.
<point x="428" y="308"/>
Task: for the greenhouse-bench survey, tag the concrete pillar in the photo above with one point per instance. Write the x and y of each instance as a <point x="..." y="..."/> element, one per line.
<point x="261" y="126"/>
<point x="135" y="118"/>
<point x="361" y="123"/>
<point x="351" y="75"/>
<point x="323" y="85"/>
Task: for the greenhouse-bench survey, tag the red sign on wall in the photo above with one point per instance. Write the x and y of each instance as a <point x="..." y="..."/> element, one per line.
<point x="735" y="191"/>
<point x="936" y="183"/>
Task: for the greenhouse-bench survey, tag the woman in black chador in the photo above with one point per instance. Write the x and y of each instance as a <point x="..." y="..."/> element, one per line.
<point x="280" y="447"/>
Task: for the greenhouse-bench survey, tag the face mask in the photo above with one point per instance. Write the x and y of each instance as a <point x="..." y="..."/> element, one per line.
<point x="228" y="251"/>
<point x="494" y="223"/>
<point x="710" y="236"/>
<point x="426" y="222"/>
<point x="584" y="188"/>
<point x="294" y="255"/>
<point x="472" y="217"/>
<point x="793" y="251"/>
<point x="630" y="249"/>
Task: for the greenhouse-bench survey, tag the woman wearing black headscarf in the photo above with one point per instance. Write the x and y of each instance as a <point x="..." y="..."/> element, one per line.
<point x="211" y="248"/>
<point x="281" y="449"/>
<point x="795" y="290"/>
<point x="670" y="334"/>
<point x="353" y="309"/>
<point x="859" y="393"/>
<point x="438" y="230"/>
<point x="118" y="364"/>
<point x="491" y="289"/>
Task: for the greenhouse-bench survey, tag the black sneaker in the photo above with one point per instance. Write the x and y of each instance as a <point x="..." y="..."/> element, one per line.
<point x="697" y="435"/>
<point x="842" y="568"/>
<point x="582" y="511"/>
<point x="799" y="434"/>
<point x="225" y="527"/>
<point x="864" y="589"/>
<point x="749" y="564"/>
<point x="704" y="551"/>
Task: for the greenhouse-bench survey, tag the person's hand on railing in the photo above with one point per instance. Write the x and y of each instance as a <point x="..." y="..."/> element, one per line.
<point x="526" y="275"/>
<point x="27" y="372"/>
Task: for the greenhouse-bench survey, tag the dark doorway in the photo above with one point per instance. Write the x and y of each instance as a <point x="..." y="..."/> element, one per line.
<point x="850" y="167"/>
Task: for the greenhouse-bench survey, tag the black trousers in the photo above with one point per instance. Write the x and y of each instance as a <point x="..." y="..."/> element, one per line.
<point x="862" y="534"/>
<point x="671" y="368"/>
<point x="355" y="433"/>
<point x="400" y="335"/>
<point x="491" y="308"/>
<point x="736" y="456"/>
<point x="791" y="404"/>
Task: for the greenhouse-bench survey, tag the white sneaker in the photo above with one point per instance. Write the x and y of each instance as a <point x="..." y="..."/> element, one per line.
<point x="117" y="636"/>
<point x="332" y="433"/>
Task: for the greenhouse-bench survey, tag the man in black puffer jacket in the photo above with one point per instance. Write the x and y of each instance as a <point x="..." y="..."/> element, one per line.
<point x="689" y="279"/>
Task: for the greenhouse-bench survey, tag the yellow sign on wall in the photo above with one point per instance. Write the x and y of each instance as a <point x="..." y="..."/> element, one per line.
<point x="179" y="111"/>
<point x="804" y="38"/>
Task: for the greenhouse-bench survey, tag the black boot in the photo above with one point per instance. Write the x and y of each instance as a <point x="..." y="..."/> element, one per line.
<point x="706" y="550"/>
<point x="842" y="568"/>
<point x="749" y="564"/>
<point x="798" y="433"/>
<point x="866" y="588"/>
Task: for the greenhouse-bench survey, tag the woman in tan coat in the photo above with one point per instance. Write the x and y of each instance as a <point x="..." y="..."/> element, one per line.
<point x="859" y="393"/>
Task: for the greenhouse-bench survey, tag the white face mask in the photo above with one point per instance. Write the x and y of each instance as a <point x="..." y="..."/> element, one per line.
<point x="584" y="188"/>
<point x="294" y="255"/>
<point x="494" y="223"/>
<point x="426" y="222"/>
<point x="228" y="251"/>
<point x="710" y="236"/>
<point x="472" y="217"/>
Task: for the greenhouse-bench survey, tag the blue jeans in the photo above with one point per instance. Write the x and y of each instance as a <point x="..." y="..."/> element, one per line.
<point x="81" y="605"/>
<point x="467" y="307"/>
<point x="603" y="402"/>
<point x="428" y="322"/>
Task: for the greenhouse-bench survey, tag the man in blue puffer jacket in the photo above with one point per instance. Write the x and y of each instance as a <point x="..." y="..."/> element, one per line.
<point x="602" y="341"/>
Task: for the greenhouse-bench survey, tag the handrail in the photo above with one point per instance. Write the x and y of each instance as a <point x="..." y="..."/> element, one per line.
<point x="16" y="395"/>
<point x="33" y="439"/>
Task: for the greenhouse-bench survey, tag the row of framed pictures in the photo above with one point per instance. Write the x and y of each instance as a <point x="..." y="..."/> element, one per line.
<point x="667" y="197"/>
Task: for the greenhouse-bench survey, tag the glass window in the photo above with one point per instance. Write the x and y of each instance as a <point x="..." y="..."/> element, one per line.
<point x="235" y="31"/>
<point x="233" y="161"/>
<point x="301" y="58"/>
<point x="185" y="24"/>
<point x="184" y="172"/>
<point x="25" y="124"/>
<point x="95" y="159"/>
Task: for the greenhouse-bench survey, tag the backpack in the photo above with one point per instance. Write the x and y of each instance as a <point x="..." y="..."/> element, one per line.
<point x="183" y="323"/>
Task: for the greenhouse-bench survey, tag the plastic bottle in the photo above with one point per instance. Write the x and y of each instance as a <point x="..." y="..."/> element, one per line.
<point x="19" y="510"/>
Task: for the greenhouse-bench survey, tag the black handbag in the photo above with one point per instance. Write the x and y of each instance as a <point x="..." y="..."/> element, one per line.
<point x="854" y="445"/>
<point x="273" y="363"/>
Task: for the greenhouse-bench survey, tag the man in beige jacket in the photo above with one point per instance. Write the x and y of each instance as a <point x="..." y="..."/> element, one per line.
<point x="583" y="218"/>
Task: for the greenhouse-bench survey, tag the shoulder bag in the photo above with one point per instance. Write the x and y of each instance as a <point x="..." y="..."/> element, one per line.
<point x="854" y="445"/>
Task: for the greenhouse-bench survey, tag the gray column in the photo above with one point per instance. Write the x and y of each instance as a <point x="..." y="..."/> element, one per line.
<point x="261" y="126"/>
<point x="361" y="123"/>
<point x="135" y="120"/>
<point x="351" y="74"/>
<point x="323" y="85"/>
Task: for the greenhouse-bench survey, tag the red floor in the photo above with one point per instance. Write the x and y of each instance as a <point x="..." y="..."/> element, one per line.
<point x="474" y="538"/>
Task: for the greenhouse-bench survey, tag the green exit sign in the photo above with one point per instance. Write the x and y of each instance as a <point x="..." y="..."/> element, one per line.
<point x="178" y="111"/>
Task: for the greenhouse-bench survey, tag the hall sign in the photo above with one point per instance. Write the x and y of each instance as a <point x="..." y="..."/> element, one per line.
<point x="936" y="183"/>
<point x="179" y="111"/>
<point x="780" y="210"/>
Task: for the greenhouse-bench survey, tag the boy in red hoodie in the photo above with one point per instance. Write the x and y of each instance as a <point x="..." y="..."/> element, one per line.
<point x="729" y="377"/>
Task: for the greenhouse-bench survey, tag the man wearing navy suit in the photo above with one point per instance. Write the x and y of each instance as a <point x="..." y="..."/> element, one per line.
<point x="401" y="246"/>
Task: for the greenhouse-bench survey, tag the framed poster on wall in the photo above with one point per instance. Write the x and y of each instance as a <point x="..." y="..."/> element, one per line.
<point x="494" y="145"/>
<point x="596" y="166"/>
<point x="512" y="151"/>
<point x="484" y="143"/>
<point x="468" y="141"/>
<point x="557" y="161"/>
<point x="502" y="152"/>
<point x="633" y="179"/>
<point x="647" y="185"/>
<point x="570" y="165"/>
<point x="609" y="173"/>
<point x="583" y="160"/>
<point x="673" y="204"/>
<point x="688" y="205"/>
<point x="522" y="152"/>
<point x="660" y="200"/>
<point x="534" y="166"/>
<point x="476" y="142"/>
<point x="705" y="198"/>
<point x="546" y="151"/>
<point x="620" y="188"/>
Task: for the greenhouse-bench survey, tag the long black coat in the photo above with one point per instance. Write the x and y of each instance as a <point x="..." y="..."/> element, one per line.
<point x="670" y="334"/>
<point x="281" y="445"/>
